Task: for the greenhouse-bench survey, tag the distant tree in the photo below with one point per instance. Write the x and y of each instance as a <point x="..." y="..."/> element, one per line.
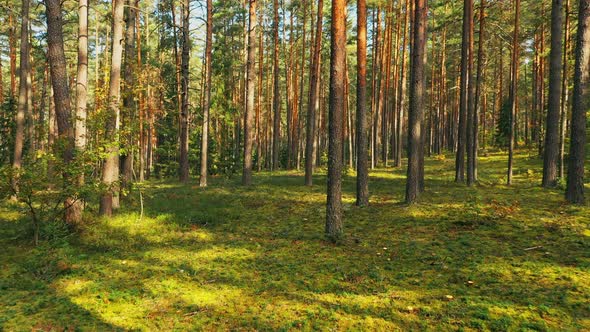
<point x="463" y="103"/>
<point x="314" y="92"/>
<point x="276" y="96"/>
<point x="479" y="85"/>
<point x="502" y="134"/>
<point x="513" y="91"/>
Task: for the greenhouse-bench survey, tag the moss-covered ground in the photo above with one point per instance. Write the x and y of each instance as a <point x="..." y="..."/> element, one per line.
<point x="227" y="257"/>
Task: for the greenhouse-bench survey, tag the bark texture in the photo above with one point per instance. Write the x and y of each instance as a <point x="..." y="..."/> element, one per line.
<point x="207" y="96"/>
<point x="61" y="92"/>
<point x="184" y="83"/>
<point x="416" y="101"/>
<point x="250" y="95"/>
<point x="109" y="200"/>
<point x="336" y="112"/>
<point x="276" y="97"/>
<point x="362" y="166"/>
<point x="314" y="92"/>
<point x="580" y="104"/>
<point x="551" y="156"/>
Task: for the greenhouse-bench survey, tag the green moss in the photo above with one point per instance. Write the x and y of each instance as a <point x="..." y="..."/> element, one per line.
<point x="232" y="258"/>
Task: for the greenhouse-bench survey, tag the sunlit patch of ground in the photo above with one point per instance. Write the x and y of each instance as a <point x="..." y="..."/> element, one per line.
<point x="226" y="257"/>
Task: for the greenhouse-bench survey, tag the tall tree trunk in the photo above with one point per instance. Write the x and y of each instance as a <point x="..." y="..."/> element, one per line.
<point x="314" y="91"/>
<point x="276" y="97"/>
<point x="463" y="102"/>
<point x="289" y="93"/>
<point x="19" y="136"/>
<point x="580" y="104"/>
<point x="479" y="86"/>
<point x="513" y="92"/>
<point x="302" y="78"/>
<point x="207" y="97"/>
<point x="416" y="103"/>
<point x="184" y="112"/>
<point x="250" y="94"/>
<point x="61" y="93"/>
<point x="551" y="157"/>
<point x="336" y="107"/>
<point x="401" y="96"/>
<point x="259" y="138"/>
<point x="12" y="52"/>
<point x="471" y="112"/>
<point x="564" y="93"/>
<point x="81" y="94"/>
<point x="376" y="97"/>
<point x="129" y="105"/>
<point x="362" y="171"/>
<point x="109" y="199"/>
<point x="141" y="95"/>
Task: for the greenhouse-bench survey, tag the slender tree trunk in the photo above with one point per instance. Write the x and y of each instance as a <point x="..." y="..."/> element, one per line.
<point x="12" y="52"/>
<point x="250" y="94"/>
<point x="110" y="169"/>
<point x="551" y="156"/>
<point x="129" y="105"/>
<point x="19" y="137"/>
<point x="463" y="102"/>
<point x="471" y="112"/>
<point x="259" y="138"/>
<point x="442" y="94"/>
<point x="141" y="95"/>
<point x="384" y="93"/>
<point x="82" y="78"/>
<point x="61" y="93"/>
<point x="302" y="77"/>
<point x="416" y="103"/>
<point x="289" y="93"/>
<point x="402" y="89"/>
<point x="377" y="93"/>
<point x="564" y="92"/>
<point x="276" y="97"/>
<point x="184" y="83"/>
<point x="336" y="105"/>
<point x="542" y="70"/>
<point x="513" y="92"/>
<point x="81" y="95"/>
<point x="314" y="91"/>
<point x="580" y="104"/>
<point x="207" y="97"/>
<point x="479" y="86"/>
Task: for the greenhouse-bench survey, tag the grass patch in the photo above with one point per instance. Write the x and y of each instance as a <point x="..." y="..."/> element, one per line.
<point x="231" y="258"/>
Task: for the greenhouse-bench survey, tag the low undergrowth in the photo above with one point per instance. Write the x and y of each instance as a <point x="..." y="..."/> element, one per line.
<point x="232" y="258"/>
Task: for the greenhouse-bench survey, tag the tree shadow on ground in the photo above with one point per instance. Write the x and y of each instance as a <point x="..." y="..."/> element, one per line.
<point x="255" y="258"/>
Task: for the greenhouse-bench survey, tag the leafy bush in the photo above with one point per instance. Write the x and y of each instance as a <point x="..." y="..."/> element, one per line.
<point x="45" y="187"/>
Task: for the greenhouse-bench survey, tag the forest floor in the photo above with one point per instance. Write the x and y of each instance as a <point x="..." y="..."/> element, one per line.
<point x="232" y="258"/>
